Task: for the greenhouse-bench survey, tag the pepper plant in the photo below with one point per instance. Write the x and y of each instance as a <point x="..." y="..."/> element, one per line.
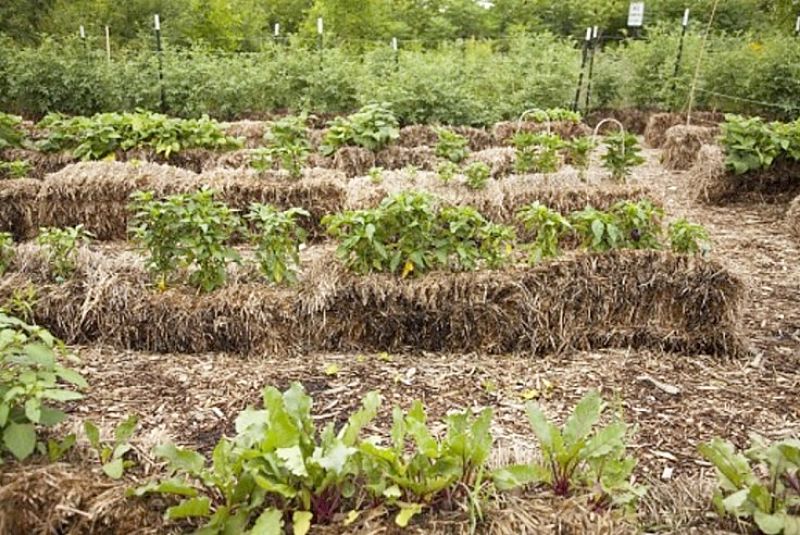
<point x="477" y="175"/>
<point x="33" y="375"/>
<point x="622" y="155"/>
<point x="15" y="169"/>
<point x="548" y="226"/>
<point x="373" y="127"/>
<point x="579" y="151"/>
<point x="277" y="238"/>
<point x="640" y="223"/>
<point x="61" y="248"/>
<point x="688" y="238"/>
<point x="536" y="152"/>
<point x="287" y="144"/>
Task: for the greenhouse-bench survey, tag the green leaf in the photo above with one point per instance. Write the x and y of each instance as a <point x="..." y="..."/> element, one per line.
<point x="294" y="460"/>
<point x="181" y="459"/>
<point x="73" y="377"/>
<point x="41" y="355"/>
<point x="270" y="522"/>
<point x="33" y="410"/>
<point x="191" y="508"/>
<point x="519" y="475"/>
<point x="125" y="429"/>
<point x="61" y="395"/>
<point x="547" y="433"/>
<point x="20" y="439"/>
<point x="301" y="522"/>
<point x="406" y="513"/>
<point x="584" y="416"/>
<point x="167" y="486"/>
<point x="92" y="433"/>
<point x="50" y="417"/>
<point x="114" y="469"/>
<point x="769" y="524"/>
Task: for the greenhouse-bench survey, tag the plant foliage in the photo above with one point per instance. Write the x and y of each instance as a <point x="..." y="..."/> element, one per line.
<point x="373" y="127"/>
<point x="61" y="247"/>
<point x="277" y="238"/>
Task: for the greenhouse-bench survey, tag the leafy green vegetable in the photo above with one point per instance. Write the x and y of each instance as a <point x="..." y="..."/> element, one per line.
<point x="451" y="146"/>
<point x="61" y="246"/>
<point x="373" y="127"/>
<point x="277" y="238"/>
<point x="548" y="225"/>
<point x="622" y="155"/>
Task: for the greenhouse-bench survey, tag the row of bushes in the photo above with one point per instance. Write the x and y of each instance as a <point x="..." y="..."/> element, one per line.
<point x="411" y="233"/>
<point x="751" y="144"/>
<point x="479" y="83"/>
<point x="280" y="468"/>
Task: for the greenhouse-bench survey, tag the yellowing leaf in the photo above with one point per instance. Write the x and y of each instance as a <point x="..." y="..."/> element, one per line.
<point x="530" y="394"/>
<point x="407" y="512"/>
<point x="351" y="517"/>
<point x="407" y="268"/>
<point x="301" y="522"/>
<point x="332" y="369"/>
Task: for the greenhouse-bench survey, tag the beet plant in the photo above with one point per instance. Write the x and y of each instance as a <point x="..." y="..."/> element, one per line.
<point x="33" y="375"/>
<point x="579" y="457"/>
<point x="112" y="454"/>
<point x="276" y="464"/>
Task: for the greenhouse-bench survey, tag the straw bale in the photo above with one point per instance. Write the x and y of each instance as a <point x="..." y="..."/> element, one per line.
<point x="504" y="131"/>
<point x="252" y="131"/>
<point x="42" y="163"/>
<point x="624" y="298"/>
<point x="354" y="161"/>
<point x="69" y="498"/>
<point x="717" y="185"/>
<point x="793" y="217"/>
<point x="659" y="123"/>
<point x="682" y="143"/>
<point x="18" y="207"/>
<point x="395" y="157"/>
<point x="499" y="159"/>
<point x="479" y="138"/>
<point x="417" y="135"/>
<point x="633" y="119"/>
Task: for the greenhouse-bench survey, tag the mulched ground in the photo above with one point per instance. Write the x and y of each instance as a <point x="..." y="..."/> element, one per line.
<point x="674" y="402"/>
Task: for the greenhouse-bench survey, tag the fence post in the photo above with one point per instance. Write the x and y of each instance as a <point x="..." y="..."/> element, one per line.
<point x="396" y="54"/>
<point x="680" y="51"/>
<point x="321" y="43"/>
<point x="584" y="56"/>
<point x="83" y="40"/>
<point x="108" y="44"/>
<point x="159" y="52"/>
<point x="593" y="49"/>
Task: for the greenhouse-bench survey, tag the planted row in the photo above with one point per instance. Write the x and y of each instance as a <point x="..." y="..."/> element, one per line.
<point x="751" y="144"/>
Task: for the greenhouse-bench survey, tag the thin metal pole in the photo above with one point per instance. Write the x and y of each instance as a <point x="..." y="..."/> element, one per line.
<point x="108" y="45"/>
<point x="159" y="51"/>
<point x="680" y="51"/>
<point x="584" y="57"/>
<point x="593" y="49"/>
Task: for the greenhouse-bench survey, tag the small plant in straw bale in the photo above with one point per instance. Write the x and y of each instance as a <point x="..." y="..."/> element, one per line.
<point x="277" y="238"/>
<point x="549" y="227"/>
<point x="467" y="238"/>
<point x="61" y="247"/>
<point x="375" y="175"/>
<point x="11" y="134"/>
<point x="186" y="231"/>
<point x="600" y="231"/>
<point x="7" y="251"/>
<point x="750" y="144"/>
<point x="622" y="156"/>
<point x="112" y="454"/>
<point x="15" y="169"/>
<point x="373" y="127"/>
<point x="20" y="303"/>
<point x="33" y="375"/>
<point x="416" y="470"/>
<point x="688" y="238"/>
<point x="446" y="172"/>
<point x="579" y="151"/>
<point x="477" y="175"/>
<point x="537" y="153"/>
<point x="762" y="484"/>
<point x="412" y="172"/>
<point x="640" y="223"/>
<point x="276" y="463"/>
<point x="578" y="457"/>
<point x="451" y="146"/>
<point x="287" y="145"/>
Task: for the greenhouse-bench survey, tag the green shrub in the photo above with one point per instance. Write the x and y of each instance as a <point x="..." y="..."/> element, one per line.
<point x="15" y="169"/>
<point x="477" y="175"/>
<point x="94" y="138"/>
<point x="578" y="456"/>
<point x="763" y="485"/>
<point x="287" y="144"/>
<point x="277" y="239"/>
<point x="373" y="127"/>
<point x="451" y="146"/>
<point x="186" y="231"/>
<point x="536" y="153"/>
<point x="622" y="155"/>
<point x="61" y="247"/>
<point x="688" y="238"/>
<point x="7" y="251"/>
<point x="410" y="234"/>
<point x="276" y="463"/>
<point x="548" y="225"/>
<point x="32" y="375"/>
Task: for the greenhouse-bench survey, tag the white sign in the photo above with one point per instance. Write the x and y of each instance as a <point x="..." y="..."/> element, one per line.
<point x="636" y="15"/>
<point x="157" y="23"/>
<point x="594" y="32"/>
<point x="83" y="32"/>
<point x="589" y="33"/>
<point x="319" y="25"/>
<point x="797" y="25"/>
<point x="686" y="18"/>
<point x="277" y="29"/>
<point x="394" y="44"/>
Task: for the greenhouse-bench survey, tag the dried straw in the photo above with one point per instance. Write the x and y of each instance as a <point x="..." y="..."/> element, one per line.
<point x="682" y="143"/>
<point x="656" y="132"/>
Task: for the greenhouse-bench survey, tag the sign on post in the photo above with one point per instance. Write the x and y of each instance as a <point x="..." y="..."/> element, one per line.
<point x="83" y="32"/>
<point x="277" y="29"/>
<point x="686" y="18"/>
<point x="157" y="23"/>
<point x="319" y="25"/>
<point x="797" y="25"/>
<point x="636" y="15"/>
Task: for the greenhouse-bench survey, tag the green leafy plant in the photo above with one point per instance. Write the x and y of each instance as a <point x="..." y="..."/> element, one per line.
<point x="375" y="175"/>
<point x="187" y="231"/>
<point x="579" y="151"/>
<point x="287" y="145"/>
<point x="410" y="234"/>
<point x="373" y="127"/>
<point x="277" y="238"/>
<point x="536" y="152"/>
<point x="763" y="484"/>
<point x="61" y="247"/>
<point x="750" y="144"/>
<point x="688" y="238"/>
<point x="578" y="457"/>
<point x="622" y="155"/>
<point x="11" y="134"/>
<point x="549" y="227"/>
<point x="96" y="137"/>
<point x="640" y="223"/>
<point x="554" y="114"/>
<point x="31" y="377"/>
<point x="20" y="303"/>
<point x="477" y="175"/>
<point x="451" y="146"/>
<point x="15" y="169"/>
<point x="600" y="231"/>
<point x="444" y="471"/>
<point x="112" y="454"/>
<point x="446" y="172"/>
<point x="7" y="251"/>
<point x="277" y="463"/>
